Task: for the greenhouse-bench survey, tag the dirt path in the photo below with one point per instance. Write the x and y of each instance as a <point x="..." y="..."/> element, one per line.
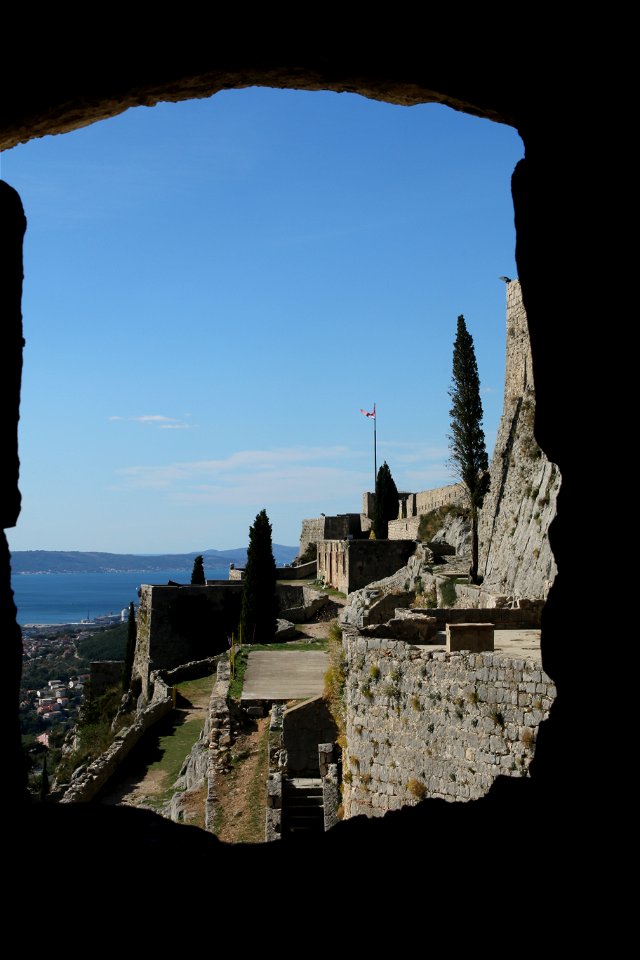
<point x="147" y="780"/>
<point x="242" y="792"/>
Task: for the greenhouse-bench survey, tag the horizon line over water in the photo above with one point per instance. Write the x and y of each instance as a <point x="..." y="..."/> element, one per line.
<point x="71" y="597"/>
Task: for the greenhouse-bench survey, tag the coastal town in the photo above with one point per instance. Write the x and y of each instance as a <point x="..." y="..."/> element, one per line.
<point x="55" y="671"/>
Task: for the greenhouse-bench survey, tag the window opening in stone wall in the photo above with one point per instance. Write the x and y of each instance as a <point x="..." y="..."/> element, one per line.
<point x="192" y="272"/>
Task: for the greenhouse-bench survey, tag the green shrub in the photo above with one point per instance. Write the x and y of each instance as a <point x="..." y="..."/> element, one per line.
<point x="108" y="644"/>
<point x="311" y="553"/>
<point x="431" y="522"/>
<point x="94" y="733"/>
<point x="448" y="595"/>
<point x="335" y="678"/>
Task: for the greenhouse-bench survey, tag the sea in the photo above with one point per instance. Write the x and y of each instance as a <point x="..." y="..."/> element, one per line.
<point x="71" y="597"/>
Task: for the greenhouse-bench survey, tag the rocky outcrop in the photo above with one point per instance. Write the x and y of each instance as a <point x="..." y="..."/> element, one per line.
<point x="407" y="625"/>
<point x="285" y="630"/>
<point x="377" y="602"/>
<point x="455" y="533"/>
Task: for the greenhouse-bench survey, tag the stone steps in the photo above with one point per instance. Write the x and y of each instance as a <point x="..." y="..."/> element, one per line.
<point x="302" y="806"/>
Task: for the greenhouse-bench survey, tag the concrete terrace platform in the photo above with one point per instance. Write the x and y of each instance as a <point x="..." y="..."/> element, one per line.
<point x="510" y="643"/>
<point x="284" y="675"/>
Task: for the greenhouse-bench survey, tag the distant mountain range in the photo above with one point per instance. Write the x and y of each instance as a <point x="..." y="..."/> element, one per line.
<point x="77" y="561"/>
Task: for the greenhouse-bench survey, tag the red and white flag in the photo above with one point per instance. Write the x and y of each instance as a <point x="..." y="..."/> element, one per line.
<point x="372" y="414"/>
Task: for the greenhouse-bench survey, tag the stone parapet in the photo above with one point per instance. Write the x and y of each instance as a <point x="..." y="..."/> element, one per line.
<point x="219" y="740"/>
<point x="474" y="637"/>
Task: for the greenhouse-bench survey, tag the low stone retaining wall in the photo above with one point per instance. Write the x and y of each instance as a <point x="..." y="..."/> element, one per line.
<point x="93" y="778"/>
<point x="218" y="738"/>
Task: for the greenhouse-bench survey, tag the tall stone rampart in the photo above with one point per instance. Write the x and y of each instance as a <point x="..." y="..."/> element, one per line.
<point x="421" y="722"/>
<point x="515" y="553"/>
<point x="338" y="527"/>
<point x="428" y="500"/>
<point x="518" y="370"/>
<point x="405" y="529"/>
<point x="176" y="625"/>
<point x="312" y="531"/>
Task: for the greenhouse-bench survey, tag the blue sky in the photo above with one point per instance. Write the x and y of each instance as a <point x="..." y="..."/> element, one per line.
<point x="213" y="290"/>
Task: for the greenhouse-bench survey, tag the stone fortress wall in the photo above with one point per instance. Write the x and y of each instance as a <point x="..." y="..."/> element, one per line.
<point x="351" y="564"/>
<point x="422" y="722"/>
<point x="413" y="505"/>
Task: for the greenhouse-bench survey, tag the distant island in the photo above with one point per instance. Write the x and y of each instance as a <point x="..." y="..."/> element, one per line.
<point x="78" y="561"/>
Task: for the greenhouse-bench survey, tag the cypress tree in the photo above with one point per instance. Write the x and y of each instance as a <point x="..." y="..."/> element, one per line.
<point x="197" y="574"/>
<point x="259" y="600"/>
<point x="385" y="506"/>
<point x="466" y="440"/>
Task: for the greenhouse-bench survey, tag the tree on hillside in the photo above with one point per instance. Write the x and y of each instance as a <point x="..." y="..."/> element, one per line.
<point x="131" y="648"/>
<point x="197" y="574"/>
<point x="259" y="600"/>
<point x="466" y="440"/>
<point x="385" y="506"/>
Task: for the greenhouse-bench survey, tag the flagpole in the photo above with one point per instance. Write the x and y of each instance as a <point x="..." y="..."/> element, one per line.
<point x="375" y="444"/>
<point x="375" y="450"/>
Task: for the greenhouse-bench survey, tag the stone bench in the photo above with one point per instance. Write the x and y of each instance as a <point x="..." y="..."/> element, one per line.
<point x="476" y="637"/>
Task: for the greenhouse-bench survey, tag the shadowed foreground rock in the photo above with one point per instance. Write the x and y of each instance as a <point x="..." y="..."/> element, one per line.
<point x="510" y="844"/>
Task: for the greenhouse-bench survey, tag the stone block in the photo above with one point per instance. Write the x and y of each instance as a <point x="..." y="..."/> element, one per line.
<point x="475" y="637"/>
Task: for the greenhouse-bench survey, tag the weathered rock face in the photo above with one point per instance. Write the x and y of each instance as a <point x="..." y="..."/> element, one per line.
<point x="456" y="532"/>
<point x="515" y="555"/>
<point x="377" y="602"/>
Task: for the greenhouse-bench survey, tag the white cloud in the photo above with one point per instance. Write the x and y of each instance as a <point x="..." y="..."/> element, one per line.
<point x="293" y="474"/>
<point x="157" y="419"/>
<point x="315" y="476"/>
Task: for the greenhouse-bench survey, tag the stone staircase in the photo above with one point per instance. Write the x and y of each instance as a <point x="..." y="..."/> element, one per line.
<point x="302" y="806"/>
